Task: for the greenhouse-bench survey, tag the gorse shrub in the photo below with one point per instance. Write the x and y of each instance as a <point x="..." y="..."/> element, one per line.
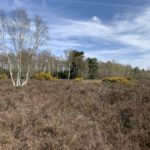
<point x="3" y="76"/>
<point x="43" y="76"/>
<point x="131" y="79"/>
<point x="121" y="80"/>
<point x="78" y="79"/>
<point x="55" y="78"/>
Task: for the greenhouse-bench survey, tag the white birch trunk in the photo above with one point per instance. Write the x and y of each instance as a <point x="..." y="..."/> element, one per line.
<point x="18" y="82"/>
<point x="10" y="70"/>
<point x="69" y="71"/>
<point x="27" y="76"/>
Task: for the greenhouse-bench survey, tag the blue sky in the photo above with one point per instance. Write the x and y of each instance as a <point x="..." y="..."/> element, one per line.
<point x="105" y="29"/>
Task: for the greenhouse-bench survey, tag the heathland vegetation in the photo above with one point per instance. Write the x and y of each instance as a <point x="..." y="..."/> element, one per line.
<point x="70" y="102"/>
<point x="70" y="115"/>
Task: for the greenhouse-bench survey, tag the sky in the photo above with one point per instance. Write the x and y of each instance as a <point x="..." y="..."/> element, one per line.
<point x="106" y="29"/>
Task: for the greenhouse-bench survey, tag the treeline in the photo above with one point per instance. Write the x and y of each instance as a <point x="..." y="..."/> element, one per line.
<point x="73" y="65"/>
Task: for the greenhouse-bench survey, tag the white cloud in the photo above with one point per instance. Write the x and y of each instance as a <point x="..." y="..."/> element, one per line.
<point x="108" y="54"/>
<point x="70" y="28"/>
<point x="65" y="43"/>
<point x="96" y="19"/>
<point x="124" y="32"/>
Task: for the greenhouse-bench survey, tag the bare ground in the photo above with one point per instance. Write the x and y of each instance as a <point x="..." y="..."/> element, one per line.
<point x="65" y="115"/>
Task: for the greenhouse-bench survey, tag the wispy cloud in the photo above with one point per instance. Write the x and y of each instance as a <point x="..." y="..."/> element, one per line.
<point x="128" y="32"/>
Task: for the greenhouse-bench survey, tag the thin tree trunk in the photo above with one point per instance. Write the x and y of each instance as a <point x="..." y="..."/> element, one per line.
<point x="19" y="73"/>
<point x="27" y="76"/>
<point x="10" y="70"/>
<point x="69" y="72"/>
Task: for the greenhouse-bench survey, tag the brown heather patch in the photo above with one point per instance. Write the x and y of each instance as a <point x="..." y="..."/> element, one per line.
<point x="67" y="115"/>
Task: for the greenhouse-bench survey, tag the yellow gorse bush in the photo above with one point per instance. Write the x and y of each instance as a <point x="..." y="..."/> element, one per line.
<point x="43" y="76"/>
<point x="55" y="79"/>
<point x="3" y="76"/>
<point x="121" y="80"/>
<point x="78" y="79"/>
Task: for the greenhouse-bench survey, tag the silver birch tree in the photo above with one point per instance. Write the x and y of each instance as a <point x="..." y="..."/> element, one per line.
<point x="19" y="33"/>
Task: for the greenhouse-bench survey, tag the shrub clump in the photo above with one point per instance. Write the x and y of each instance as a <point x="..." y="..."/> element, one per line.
<point x="78" y="79"/>
<point x="43" y="76"/>
<point x="3" y="76"/>
<point x="121" y="80"/>
<point x="55" y="78"/>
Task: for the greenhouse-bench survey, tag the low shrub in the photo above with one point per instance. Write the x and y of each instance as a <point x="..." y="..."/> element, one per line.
<point x="121" y="80"/>
<point x="55" y="79"/>
<point x="43" y="76"/>
<point x="3" y="76"/>
<point x="78" y="79"/>
<point x="131" y="79"/>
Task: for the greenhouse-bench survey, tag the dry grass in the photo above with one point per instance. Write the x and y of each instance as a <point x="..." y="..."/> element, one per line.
<point x="66" y="115"/>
